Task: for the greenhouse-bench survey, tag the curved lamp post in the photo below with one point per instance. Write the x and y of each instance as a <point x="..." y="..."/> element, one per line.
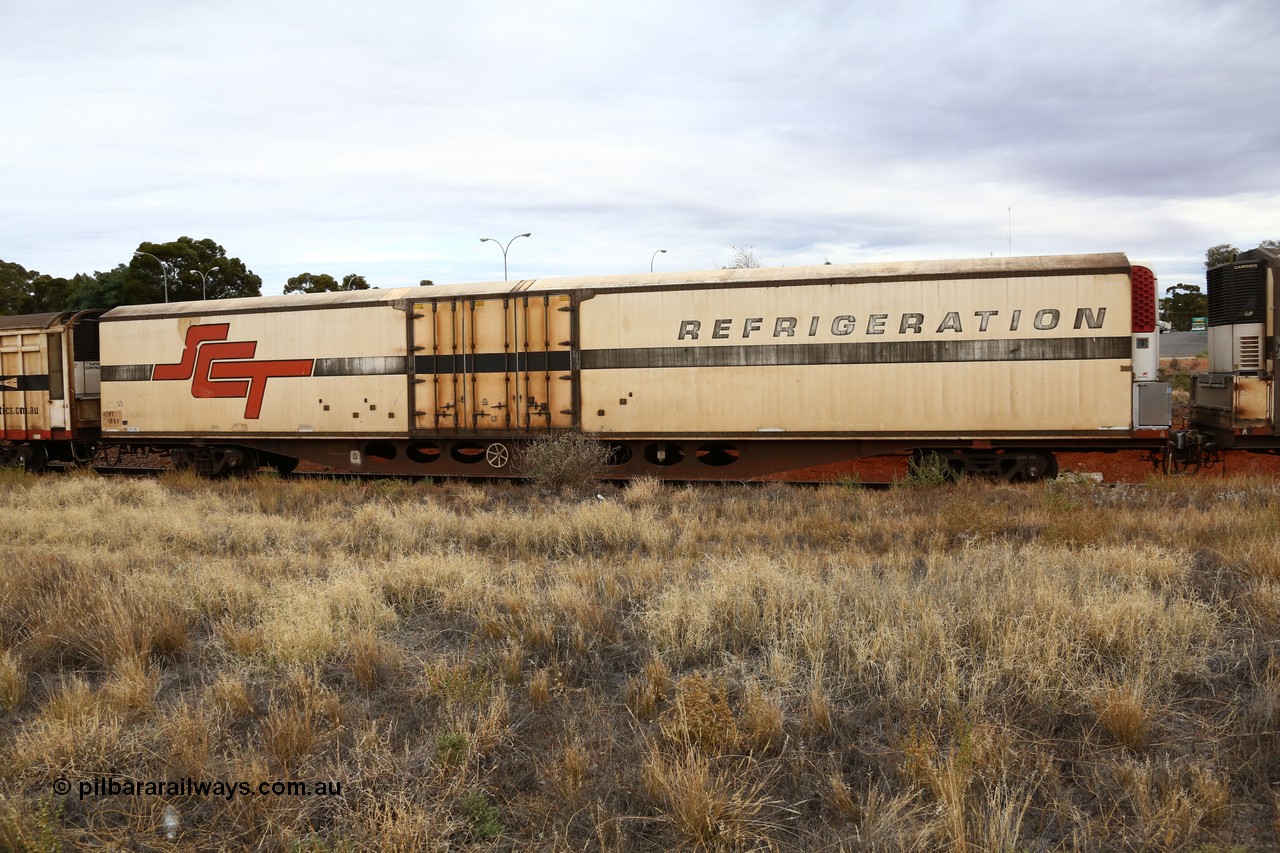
<point x="504" y="249"/>
<point x="654" y="255"/>
<point x="204" y="281"/>
<point x="164" y="272"/>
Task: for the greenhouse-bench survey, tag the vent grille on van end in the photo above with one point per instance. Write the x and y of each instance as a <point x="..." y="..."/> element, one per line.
<point x="1249" y="353"/>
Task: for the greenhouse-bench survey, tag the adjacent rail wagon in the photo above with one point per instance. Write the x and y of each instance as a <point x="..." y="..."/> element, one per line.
<point x="996" y="364"/>
<point x="48" y="388"/>
<point x="1236" y="404"/>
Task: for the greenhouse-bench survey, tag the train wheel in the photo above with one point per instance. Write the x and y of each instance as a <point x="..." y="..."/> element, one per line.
<point x="1030" y="467"/>
<point x="237" y="462"/>
<point x="33" y="457"/>
<point x="1049" y="468"/>
<point x="284" y="465"/>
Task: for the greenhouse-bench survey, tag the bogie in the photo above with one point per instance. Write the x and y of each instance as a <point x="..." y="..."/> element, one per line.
<point x="33" y="456"/>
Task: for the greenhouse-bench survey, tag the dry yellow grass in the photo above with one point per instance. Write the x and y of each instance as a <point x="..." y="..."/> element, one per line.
<point x="480" y="665"/>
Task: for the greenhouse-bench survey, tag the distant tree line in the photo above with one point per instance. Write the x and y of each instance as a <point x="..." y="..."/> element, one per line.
<point x="324" y="283"/>
<point x="184" y="269"/>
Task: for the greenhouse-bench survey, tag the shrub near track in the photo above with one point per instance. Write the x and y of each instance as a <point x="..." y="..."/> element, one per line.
<point x="976" y="667"/>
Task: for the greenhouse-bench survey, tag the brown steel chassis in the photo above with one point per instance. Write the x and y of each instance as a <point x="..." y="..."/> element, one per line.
<point x="741" y="458"/>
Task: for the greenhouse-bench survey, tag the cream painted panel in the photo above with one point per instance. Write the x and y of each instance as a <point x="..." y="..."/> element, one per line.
<point x="954" y="398"/>
<point x="324" y="404"/>
<point x="364" y="404"/>
<point x="968" y="309"/>
<point x="323" y="333"/>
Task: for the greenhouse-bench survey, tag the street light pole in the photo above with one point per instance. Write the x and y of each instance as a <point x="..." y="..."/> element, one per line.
<point x="504" y="249"/>
<point x="654" y="255"/>
<point x="204" y="282"/>
<point x="164" y="272"/>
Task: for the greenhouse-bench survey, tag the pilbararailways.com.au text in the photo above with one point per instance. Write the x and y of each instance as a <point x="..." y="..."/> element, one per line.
<point x="227" y="789"/>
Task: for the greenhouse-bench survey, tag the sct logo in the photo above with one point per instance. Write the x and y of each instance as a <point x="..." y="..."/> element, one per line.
<point x="221" y="368"/>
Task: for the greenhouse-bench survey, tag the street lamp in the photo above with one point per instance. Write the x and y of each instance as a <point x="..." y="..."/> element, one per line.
<point x="654" y="255"/>
<point x="204" y="282"/>
<point x="164" y="272"/>
<point x="504" y="249"/>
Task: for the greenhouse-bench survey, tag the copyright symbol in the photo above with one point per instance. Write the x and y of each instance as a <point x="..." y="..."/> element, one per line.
<point x="61" y="786"/>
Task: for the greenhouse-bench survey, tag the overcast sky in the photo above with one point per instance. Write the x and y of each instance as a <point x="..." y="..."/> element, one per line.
<point x="385" y="137"/>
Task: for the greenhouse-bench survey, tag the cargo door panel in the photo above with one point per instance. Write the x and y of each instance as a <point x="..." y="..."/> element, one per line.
<point x="500" y="363"/>
<point x="24" y="384"/>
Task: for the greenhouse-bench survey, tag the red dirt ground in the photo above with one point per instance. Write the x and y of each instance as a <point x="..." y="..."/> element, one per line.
<point x="1119" y="467"/>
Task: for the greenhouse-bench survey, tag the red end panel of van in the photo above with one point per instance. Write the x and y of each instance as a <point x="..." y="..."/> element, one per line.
<point x="1143" y="282"/>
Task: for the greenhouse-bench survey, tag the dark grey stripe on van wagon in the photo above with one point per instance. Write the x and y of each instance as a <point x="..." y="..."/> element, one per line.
<point x="750" y="355"/>
<point x="376" y="365"/>
<point x="493" y="362"/>
<point x="372" y="365"/>
<point x="25" y="382"/>
<point x="126" y="372"/>
<point x="887" y="352"/>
